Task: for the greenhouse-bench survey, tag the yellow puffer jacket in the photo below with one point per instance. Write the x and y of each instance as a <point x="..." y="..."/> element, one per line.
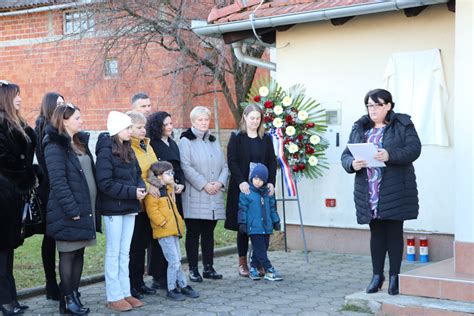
<point x="164" y="216"/>
<point x="145" y="158"/>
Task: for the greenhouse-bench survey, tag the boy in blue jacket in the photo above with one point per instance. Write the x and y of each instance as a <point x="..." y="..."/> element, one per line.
<point x="257" y="218"/>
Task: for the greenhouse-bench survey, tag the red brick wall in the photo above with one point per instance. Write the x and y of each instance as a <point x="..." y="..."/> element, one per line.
<point x="68" y="67"/>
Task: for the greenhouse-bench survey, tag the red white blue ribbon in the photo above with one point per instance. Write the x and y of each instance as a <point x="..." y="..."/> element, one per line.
<point x="278" y="143"/>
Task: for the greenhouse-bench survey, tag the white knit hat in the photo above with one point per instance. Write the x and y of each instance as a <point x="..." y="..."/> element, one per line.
<point x="117" y="121"/>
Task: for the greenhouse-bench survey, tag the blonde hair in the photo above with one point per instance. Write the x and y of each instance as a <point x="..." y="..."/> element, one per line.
<point x="198" y="111"/>
<point x="243" y="124"/>
<point x="137" y="117"/>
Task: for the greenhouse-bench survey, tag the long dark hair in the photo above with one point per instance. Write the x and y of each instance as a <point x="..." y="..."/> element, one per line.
<point x="8" y="93"/>
<point x="154" y="125"/>
<point x="62" y="113"/>
<point x="243" y="124"/>
<point x="48" y="105"/>
<point x="123" y="150"/>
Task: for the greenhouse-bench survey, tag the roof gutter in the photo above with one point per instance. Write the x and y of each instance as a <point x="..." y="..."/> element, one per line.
<point x="44" y="9"/>
<point x="215" y="30"/>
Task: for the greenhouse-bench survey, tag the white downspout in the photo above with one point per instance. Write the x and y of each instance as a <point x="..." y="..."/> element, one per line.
<point x="246" y="59"/>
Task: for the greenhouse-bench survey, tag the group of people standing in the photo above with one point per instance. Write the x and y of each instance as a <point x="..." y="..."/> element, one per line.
<point x="147" y="190"/>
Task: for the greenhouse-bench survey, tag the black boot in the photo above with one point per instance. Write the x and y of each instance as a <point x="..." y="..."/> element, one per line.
<point x="194" y="275"/>
<point x="73" y="307"/>
<point x="375" y="284"/>
<point x="393" y="285"/>
<point x="9" y="309"/>
<point x="210" y="273"/>
<point x="52" y="290"/>
<point x="77" y="298"/>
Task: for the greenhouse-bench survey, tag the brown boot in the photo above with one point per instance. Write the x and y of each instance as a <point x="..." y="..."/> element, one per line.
<point x="243" y="267"/>
<point x="119" y="306"/>
<point x="136" y="303"/>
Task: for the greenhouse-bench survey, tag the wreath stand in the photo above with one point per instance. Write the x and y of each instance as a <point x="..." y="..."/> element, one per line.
<point x="284" y="201"/>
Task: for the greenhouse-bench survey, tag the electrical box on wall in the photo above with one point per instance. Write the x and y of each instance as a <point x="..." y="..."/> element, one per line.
<point x="333" y="133"/>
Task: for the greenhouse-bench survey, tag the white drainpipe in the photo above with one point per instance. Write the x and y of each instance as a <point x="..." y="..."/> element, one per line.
<point x="246" y="59"/>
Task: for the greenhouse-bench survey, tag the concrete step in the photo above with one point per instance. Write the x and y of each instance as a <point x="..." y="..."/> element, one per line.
<point x="438" y="280"/>
<point x="383" y="304"/>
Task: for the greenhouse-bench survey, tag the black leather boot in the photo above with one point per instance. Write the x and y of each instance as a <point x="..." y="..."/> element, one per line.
<point x="72" y="307"/>
<point x="77" y="296"/>
<point x="194" y="275"/>
<point x="375" y="284"/>
<point x="9" y="309"/>
<point x="210" y="273"/>
<point x="393" y="285"/>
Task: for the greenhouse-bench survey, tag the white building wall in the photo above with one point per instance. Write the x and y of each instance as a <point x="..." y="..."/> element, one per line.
<point x="338" y="65"/>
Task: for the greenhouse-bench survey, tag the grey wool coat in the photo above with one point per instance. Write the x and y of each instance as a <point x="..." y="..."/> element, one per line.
<point x="202" y="162"/>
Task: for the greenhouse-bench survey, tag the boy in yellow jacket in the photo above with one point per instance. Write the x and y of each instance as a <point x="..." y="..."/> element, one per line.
<point x="168" y="227"/>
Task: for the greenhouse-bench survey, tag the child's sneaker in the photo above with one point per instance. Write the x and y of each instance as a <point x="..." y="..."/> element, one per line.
<point x="272" y="275"/>
<point x="253" y="274"/>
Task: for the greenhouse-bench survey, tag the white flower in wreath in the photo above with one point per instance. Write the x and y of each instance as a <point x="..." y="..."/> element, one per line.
<point x="287" y="101"/>
<point x="292" y="148"/>
<point x="313" y="161"/>
<point x="277" y="110"/>
<point x="263" y="91"/>
<point x="303" y="115"/>
<point x="290" y="131"/>
<point x="277" y="122"/>
<point x="315" y="139"/>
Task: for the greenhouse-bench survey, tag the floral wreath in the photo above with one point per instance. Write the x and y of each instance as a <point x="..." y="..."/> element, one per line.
<point x="296" y="124"/>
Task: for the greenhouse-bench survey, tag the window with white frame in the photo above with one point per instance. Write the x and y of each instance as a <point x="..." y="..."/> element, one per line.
<point x="78" y="22"/>
<point x="111" y="67"/>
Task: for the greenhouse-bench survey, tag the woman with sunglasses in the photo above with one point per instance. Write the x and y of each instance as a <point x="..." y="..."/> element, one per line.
<point x="48" y="247"/>
<point x="385" y="197"/>
<point x="71" y="216"/>
<point x="17" y="179"/>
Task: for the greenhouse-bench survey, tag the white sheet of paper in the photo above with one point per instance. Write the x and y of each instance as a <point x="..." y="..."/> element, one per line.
<point x="365" y="151"/>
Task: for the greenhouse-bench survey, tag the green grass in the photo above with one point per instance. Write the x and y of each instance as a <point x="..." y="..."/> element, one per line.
<point x="28" y="268"/>
<point x="355" y="308"/>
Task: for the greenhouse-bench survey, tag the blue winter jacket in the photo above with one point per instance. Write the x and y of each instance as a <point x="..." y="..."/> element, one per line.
<point x="259" y="218"/>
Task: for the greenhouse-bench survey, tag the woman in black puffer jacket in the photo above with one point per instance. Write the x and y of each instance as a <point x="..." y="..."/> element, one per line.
<point x="48" y="247"/>
<point x="71" y="218"/>
<point x="385" y="197"/>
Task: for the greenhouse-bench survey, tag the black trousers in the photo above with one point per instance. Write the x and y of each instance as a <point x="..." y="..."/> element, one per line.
<point x="386" y="236"/>
<point x="242" y="244"/>
<point x="203" y="229"/>
<point x="48" y="254"/>
<point x="7" y="281"/>
<point x="142" y="236"/>
<point x="71" y="264"/>
<point x="260" y="251"/>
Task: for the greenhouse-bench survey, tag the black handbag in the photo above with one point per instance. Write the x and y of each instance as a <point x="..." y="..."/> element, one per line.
<point x="32" y="211"/>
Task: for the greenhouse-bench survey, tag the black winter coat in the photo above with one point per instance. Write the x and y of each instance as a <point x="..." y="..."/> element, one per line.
<point x="117" y="181"/>
<point x="398" y="198"/>
<point x="171" y="154"/>
<point x="238" y="160"/>
<point x="17" y="178"/>
<point x="69" y="193"/>
<point x="43" y="189"/>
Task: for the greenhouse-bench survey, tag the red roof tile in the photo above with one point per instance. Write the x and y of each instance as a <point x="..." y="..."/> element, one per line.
<point x="238" y="11"/>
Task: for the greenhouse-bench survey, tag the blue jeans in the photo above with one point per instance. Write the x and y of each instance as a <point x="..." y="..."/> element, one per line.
<point x="172" y="253"/>
<point x="118" y="236"/>
<point x="259" y="255"/>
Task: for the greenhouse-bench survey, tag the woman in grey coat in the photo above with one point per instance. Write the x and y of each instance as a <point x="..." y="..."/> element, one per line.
<point x="205" y="172"/>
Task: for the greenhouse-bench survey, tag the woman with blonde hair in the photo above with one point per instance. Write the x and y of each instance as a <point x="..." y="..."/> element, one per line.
<point x="247" y="147"/>
<point x="205" y="173"/>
